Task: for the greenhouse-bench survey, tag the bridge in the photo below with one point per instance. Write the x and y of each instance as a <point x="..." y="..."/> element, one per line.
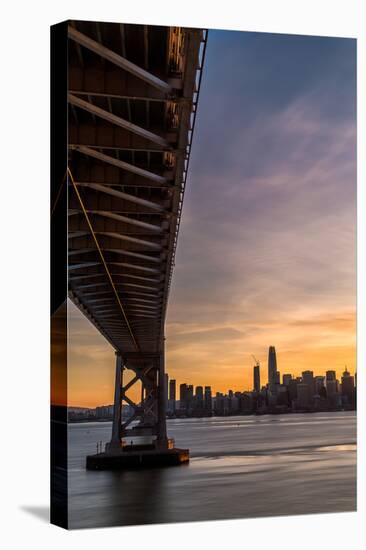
<point x="133" y="92"/>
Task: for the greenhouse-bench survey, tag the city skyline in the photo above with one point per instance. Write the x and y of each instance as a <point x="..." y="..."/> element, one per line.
<point x="266" y="251"/>
<point x="99" y="353"/>
<point x="282" y="392"/>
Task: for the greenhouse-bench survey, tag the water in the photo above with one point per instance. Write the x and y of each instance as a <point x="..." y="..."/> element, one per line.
<point x="240" y="467"/>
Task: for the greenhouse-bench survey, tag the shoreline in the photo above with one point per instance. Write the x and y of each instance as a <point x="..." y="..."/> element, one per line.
<point x="99" y="421"/>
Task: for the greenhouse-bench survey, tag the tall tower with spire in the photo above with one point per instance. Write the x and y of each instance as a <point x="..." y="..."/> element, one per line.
<point x="272" y="369"/>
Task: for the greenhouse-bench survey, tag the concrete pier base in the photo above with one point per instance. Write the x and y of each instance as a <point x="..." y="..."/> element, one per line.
<point x="137" y="458"/>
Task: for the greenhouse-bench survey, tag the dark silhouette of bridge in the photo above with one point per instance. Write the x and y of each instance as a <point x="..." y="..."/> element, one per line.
<point x="132" y="94"/>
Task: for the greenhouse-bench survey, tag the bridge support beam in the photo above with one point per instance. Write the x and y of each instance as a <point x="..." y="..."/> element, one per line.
<point x="117" y="410"/>
<point x="141" y="440"/>
<point x="162" y="440"/>
<point x="150" y="412"/>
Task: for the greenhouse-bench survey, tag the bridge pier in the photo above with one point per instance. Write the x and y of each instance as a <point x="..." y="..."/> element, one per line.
<point x="117" y="409"/>
<point x="148" y="419"/>
<point x="162" y="439"/>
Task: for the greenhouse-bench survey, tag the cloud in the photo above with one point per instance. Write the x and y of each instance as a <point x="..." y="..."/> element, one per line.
<point x="267" y="241"/>
<point x="292" y="229"/>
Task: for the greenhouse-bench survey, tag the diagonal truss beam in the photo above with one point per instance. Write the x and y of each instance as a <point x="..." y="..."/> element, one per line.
<point x="91" y="285"/>
<point x="130" y="276"/>
<point x="122" y="251"/>
<point x="142" y="300"/>
<point x="117" y="120"/>
<point x="139" y="375"/>
<point x="135" y="266"/>
<point x="120" y="236"/>
<point x="82" y="265"/>
<point x="139" y="293"/>
<point x="126" y="219"/>
<point x="118" y="60"/>
<point x="119" y="163"/>
<point x="121" y="195"/>
<point x="91" y="92"/>
<point x="103" y="260"/>
<point x="89" y="276"/>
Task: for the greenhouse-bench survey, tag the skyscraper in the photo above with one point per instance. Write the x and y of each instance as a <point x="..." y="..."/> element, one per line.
<point x="208" y="399"/>
<point x="331" y="382"/>
<point x="272" y="369"/>
<point x="308" y="378"/>
<point x="186" y="396"/>
<point x="182" y="392"/>
<point x="319" y="386"/>
<point x="199" y="393"/>
<point x="172" y="390"/>
<point x="303" y="397"/>
<point x="256" y="378"/>
<point x="348" y="387"/>
<point x="172" y="396"/>
<point x="199" y="398"/>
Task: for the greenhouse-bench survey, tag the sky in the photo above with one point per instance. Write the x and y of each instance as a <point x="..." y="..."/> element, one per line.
<point x="267" y="245"/>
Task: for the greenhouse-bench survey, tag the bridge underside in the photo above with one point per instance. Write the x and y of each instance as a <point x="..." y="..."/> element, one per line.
<point x="132" y="95"/>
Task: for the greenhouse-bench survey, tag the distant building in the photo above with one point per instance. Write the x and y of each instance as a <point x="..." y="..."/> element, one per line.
<point x="182" y="396"/>
<point x="292" y="389"/>
<point x="331" y="383"/>
<point x="219" y="403"/>
<point x="282" y="395"/>
<point x="104" y="412"/>
<point x="272" y="369"/>
<point x="186" y="398"/>
<point x="332" y="387"/>
<point x="208" y="400"/>
<point x="246" y="402"/>
<point x="182" y="392"/>
<point x="307" y="393"/>
<point x="348" y="388"/>
<point x="233" y="403"/>
<point x="172" y="390"/>
<point x="303" y="396"/>
<point x="308" y="379"/>
<point x="199" y="403"/>
<point x="256" y="378"/>
<point x="172" y="397"/>
<point x="319" y="386"/>
<point x="189" y="399"/>
<point x="199" y="392"/>
<point x="189" y="394"/>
